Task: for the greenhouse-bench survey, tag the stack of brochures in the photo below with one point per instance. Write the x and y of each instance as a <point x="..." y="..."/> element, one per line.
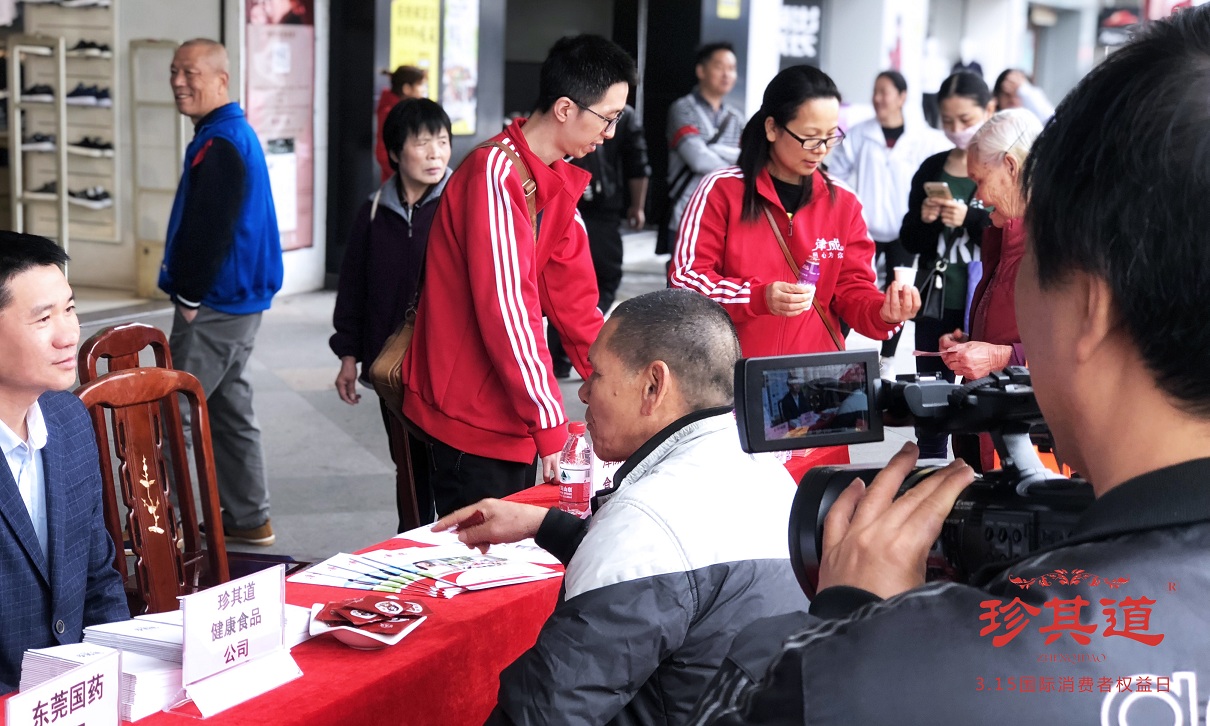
<point x="145" y="637"/>
<point x="441" y="571"/>
<point x="39" y="665"/>
<point x="148" y="685"/>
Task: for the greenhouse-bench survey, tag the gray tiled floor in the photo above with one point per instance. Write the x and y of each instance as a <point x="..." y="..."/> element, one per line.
<point x="331" y="479"/>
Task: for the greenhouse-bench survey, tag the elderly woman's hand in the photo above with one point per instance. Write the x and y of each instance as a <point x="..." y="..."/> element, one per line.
<point x="788" y="299"/>
<point x="949" y="340"/>
<point x="901" y="303"/>
<point x="953" y="213"/>
<point x="976" y="359"/>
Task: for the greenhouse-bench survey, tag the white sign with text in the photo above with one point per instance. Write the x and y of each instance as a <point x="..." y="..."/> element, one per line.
<point x="231" y="629"/>
<point x="84" y="695"/>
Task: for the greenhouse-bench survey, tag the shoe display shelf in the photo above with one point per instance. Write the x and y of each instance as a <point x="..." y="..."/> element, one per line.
<point x="84" y="94"/>
<point x="36" y="118"/>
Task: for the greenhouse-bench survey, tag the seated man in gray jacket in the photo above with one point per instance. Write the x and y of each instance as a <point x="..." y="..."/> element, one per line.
<point x="685" y="551"/>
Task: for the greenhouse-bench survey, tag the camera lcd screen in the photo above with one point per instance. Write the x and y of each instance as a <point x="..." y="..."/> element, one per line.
<point x="805" y="401"/>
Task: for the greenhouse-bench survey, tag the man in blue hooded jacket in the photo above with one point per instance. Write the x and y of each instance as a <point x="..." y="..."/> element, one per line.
<point x="222" y="266"/>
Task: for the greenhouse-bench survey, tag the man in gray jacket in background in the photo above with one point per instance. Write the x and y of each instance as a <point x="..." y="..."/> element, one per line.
<point x="703" y="134"/>
<point x="688" y="549"/>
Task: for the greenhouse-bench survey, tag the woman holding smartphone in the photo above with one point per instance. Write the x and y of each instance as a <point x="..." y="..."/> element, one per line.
<point x="946" y="221"/>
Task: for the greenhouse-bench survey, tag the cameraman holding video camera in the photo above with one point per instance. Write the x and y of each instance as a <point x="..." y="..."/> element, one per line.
<point x="1109" y="625"/>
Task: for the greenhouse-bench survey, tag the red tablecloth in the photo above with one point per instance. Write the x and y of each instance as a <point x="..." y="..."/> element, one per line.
<point x="798" y="465"/>
<point x="446" y="672"/>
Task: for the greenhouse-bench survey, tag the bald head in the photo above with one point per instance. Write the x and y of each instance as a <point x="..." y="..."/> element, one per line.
<point x="200" y="77"/>
<point x="211" y="51"/>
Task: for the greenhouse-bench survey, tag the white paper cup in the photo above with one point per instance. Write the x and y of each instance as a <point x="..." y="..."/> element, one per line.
<point x="905" y="275"/>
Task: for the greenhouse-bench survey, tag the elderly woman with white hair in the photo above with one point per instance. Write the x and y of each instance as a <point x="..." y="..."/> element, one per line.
<point x="995" y="160"/>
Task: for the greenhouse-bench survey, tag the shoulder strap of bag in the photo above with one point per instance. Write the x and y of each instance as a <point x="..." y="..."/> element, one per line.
<point x="785" y="250"/>
<point x="528" y="184"/>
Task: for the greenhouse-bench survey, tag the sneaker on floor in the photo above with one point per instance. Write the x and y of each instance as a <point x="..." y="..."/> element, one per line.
<point x="261" y="536"/>
<point x="886" y="368"/>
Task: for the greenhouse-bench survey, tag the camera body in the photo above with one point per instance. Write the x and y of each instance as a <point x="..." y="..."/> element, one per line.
<point x="1004" y="515"/>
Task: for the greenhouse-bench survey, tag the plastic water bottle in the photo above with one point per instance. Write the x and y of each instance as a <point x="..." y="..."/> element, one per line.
<point x="575" y="471"/>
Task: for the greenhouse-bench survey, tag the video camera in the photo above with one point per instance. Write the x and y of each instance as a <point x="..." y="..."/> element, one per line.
<point x="831" y="399"/>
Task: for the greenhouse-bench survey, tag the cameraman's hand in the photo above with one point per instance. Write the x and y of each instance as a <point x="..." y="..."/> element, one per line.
<point x="976" y="359"/>
<point x="880" y="544"/>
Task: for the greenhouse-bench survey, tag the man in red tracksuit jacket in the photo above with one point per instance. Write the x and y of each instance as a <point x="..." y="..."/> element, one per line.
<point x="478" y="374"/>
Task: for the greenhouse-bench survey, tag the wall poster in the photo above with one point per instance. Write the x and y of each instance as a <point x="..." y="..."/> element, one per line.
<point x="460" y="65"/>
<point x="279" y="101"/>
<point x="416" y="37"/>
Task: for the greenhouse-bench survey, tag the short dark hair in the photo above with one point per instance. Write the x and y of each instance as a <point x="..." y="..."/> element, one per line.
<point x="788" y="90"/>
<point x="20" y="252"/>
<point x="707" y="51"/>
<point x="1117" y="186"/>
<point x="691" y="333"/>
<point x="406" y="76"/>
<point x="965" y="85"/>
<point x="896" y="78"/>
<point x="582" y="68"/>
<point x="998" y="87"/>
<point x="408" y="118"/>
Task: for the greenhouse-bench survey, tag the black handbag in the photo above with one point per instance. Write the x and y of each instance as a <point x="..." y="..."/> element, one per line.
<point x="944" y="286"/>
<point x="932" y="292"/>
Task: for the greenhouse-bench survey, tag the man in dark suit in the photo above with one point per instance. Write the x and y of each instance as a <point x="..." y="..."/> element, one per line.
<point x="794" y="403"/>
<point x="56" y="557"/>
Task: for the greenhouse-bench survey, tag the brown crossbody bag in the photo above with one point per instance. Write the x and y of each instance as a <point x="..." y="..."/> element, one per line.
<point x="386" y="372"/>
<point x="785" y="250"/>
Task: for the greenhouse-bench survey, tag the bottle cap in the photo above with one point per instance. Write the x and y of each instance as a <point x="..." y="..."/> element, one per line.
<point x="577" y="427"/>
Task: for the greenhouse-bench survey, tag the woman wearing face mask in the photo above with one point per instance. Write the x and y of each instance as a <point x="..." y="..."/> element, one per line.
<point x="950" y="229"/>
<point x="728" y="247"/>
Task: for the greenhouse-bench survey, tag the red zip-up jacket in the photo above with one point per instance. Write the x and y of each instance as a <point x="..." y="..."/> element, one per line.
<point x="733" y="261"/>
<point x="478" y="373"/>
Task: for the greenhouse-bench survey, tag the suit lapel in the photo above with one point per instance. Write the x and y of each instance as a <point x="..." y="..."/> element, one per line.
<point x="53" y="466"/>
<point x="14" y="513"/>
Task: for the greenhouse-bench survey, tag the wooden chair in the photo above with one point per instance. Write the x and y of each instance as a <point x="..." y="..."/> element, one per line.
<point x="119" y="346"/>
<point x="138" y="399"/>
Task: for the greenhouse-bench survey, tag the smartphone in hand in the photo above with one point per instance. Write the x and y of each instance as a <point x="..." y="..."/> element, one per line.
<point x="938" y="190"/>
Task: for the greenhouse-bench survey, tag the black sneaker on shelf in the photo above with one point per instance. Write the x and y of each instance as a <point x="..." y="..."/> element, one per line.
<point x="89" y="49"/>
<point x="39" y="142"/>
<point x="47" y="192"/>
<point x="92" y="197"/>
<point x="39" y="93"/>
<point x="83" y="95"/>
<point x="102" y="96"/>
<point x="84" y="3"/>
<point x="91" y="146"/>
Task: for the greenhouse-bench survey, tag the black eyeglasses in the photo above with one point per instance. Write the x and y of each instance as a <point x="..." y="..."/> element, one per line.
<point x="809" y="144"/>
<point x="610" y="123"/>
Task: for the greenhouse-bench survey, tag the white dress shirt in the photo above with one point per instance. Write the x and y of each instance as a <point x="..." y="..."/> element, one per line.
<point x="25" y="462"/>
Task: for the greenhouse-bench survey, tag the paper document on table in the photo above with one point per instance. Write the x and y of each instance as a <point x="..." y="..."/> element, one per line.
<point x="524" y="551"/>
<point x="361" y="572"/>
<point x="424" y="535"/>
<point x="457" y="565"/>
